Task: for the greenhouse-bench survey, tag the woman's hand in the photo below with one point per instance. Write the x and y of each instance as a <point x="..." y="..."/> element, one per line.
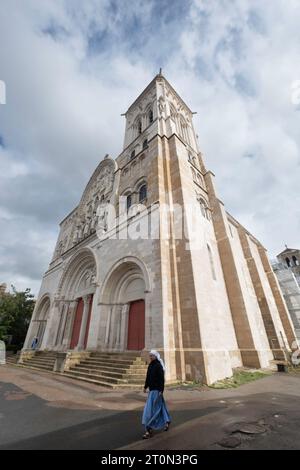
<point x="145" y="390"/>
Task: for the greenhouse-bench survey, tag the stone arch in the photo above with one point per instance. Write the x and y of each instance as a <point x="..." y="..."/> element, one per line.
<point x="40" y="319"/>
<point x="124" y="309"/>
<point x="83" y="261"/>
<point x="128" y="261"/>
<point x="75" y="300"/>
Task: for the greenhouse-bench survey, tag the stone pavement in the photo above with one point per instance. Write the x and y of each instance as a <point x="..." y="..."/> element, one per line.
<point x="42" y="410"/>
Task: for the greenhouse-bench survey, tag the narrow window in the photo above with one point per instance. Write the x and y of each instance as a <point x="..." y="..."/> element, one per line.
<point x="128" y="202"/>
<point x="143" y="193"/>
<point x="295" y="261"/>
<point x="150" y="115"/>
<point x="288" y="262"/>
<point x="132" y="155"/>
<point x="145" y="144"/>
<point x="203" y="207"/>
<point x="211" y="260"/>
<point x="140" y="127"/>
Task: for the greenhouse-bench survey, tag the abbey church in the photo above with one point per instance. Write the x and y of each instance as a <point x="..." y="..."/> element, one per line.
<point x="151" y="259"/>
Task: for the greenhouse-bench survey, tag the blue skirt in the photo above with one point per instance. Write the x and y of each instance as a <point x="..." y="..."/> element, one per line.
<point x="155" y="415"/>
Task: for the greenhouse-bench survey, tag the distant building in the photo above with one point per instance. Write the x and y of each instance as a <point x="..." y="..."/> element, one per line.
<point x="3" y="288"/>
<point x="287" y="270"/>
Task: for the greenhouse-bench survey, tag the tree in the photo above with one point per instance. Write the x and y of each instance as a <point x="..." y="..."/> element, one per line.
<point x="15" y="312"/>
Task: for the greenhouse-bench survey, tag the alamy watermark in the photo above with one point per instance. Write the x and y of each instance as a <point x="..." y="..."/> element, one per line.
<point x="2" y="92"/>
<point x="158" y="221"/>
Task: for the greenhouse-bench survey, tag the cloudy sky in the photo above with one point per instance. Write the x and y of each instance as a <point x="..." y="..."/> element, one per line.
<point x="71" y="67"/>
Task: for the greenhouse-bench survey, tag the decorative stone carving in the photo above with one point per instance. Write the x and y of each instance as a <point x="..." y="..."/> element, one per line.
<point x="161" y="105"/>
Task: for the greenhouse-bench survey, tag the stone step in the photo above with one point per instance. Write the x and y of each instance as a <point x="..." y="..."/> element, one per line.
<point x="103" y="384"/>
<point x="116" y="355"/>
<point x="120" y="365"/>
<point x="41" y="360"/>
<point x="13" y="359"/>
<point x="122" y="374"/>
<point x="45" y="355"/>
<point x="36" y="367"/>
<point x="39" y="363"/>
<point x="111" y="363"/>
<point x="87" y="379"/>
<point x="134" y="368"/>
<point x="103" y="378"/>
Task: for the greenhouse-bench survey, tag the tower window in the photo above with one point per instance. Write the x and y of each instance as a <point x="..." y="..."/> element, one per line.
<point x="288" y="262"/>
<point x="143" y="193"/>
<point x="150" y="115"/>
<point x="132" y="155"/>
<point x="128" y="202"/>
<point x="140" y="127"/>
<point x="204" y="209"/>
<point x="145" y="144"/>
<point x="295" y="261"/>
<point x="211" y="260"/>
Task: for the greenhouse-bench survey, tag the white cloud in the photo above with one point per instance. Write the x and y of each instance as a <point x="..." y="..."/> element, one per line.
<point x="71" y="69"/>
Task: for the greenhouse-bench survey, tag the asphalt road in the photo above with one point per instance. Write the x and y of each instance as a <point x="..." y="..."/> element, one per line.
<point x="44" y="411"/>
<point x="28" y="422"/>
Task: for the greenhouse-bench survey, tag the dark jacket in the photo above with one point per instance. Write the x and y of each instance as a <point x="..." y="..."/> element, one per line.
<point x="155" y="379"/>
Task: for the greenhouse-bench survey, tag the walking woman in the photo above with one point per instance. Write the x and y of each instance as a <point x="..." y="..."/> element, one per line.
<point x="155" y="415"/>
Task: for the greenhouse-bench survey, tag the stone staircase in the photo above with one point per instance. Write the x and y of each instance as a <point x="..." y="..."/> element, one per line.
<point x="42" y="360"/>
<point x="114" y="370"/>
<point x="12" y="358"/>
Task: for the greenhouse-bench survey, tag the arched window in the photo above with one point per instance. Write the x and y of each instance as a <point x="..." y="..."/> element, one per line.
<point x="200" y="179"/>
<point x="288" y="262"/>
<point x="204" y="209"/>
<point x="128" y="202"/>
<point x="211" y="260"/>
<point x="295" y="261"/>
<point x="132" y="155"/>
<point x="145" y="144"/>
<point x="150" y="116"/>
<point x="173" y="112"/>
<point x="194" y="175"/>
<point x="139" y="127"/>
<point x="143" y="193"/>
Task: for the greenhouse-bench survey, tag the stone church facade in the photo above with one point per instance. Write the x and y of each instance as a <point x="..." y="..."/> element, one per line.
<point x="151" y="259"/>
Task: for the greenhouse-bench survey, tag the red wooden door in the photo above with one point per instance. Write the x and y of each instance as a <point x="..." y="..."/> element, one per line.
<point x="77" y="324"/>
<point x="136" y="326"/>
<point x="88" y="321"/>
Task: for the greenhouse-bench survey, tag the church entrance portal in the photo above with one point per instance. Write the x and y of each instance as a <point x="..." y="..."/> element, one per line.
<point x="136" y="326"/>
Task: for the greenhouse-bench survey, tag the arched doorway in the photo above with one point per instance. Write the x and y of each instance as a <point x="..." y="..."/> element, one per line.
<point x="40" y="322"/>
<point x="136" y="326"/>
<point x="76" y="294"/>
<point x="124" y="307"/>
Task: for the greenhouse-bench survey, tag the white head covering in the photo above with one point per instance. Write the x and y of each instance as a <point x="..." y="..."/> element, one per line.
<point x="157" y="355"/>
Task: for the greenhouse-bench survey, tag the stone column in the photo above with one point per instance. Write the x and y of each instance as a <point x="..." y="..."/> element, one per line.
<point x="266" y="314"/>
<point x="69" y="324"/>
<point x="238" y="307"/>
<point x="64" y="311"/>
<point x="48" y="341"/>
<point x="108" y="326"/>
<point x="86" y="300"/>
<point x="124" y="326"/>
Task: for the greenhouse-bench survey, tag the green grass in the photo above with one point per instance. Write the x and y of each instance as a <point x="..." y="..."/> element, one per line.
<point x="239" y="378"/>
